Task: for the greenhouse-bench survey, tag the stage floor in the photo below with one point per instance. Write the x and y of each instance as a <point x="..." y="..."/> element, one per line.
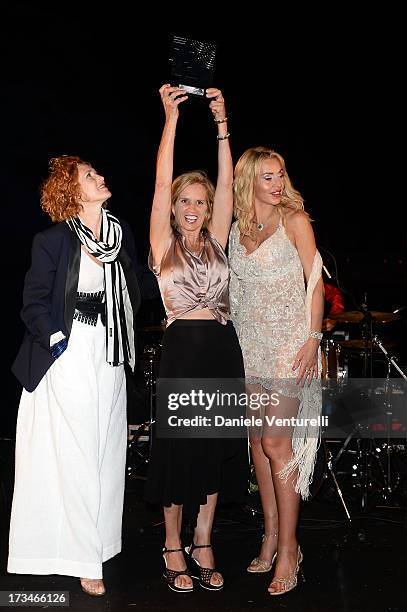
<point x="348" y="568"/>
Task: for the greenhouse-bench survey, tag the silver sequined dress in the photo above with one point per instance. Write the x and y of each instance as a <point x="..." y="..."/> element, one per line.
<point x="271" y="311"/>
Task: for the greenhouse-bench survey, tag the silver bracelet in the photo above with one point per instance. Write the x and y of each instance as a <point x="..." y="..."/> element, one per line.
<point x="316" y="335"/>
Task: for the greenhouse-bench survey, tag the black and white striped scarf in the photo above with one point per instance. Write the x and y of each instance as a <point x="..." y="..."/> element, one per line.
<point x="106" y="250"/>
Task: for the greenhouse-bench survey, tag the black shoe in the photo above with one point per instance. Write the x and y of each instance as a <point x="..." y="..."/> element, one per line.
<point x="205" y="573"/>
<point x="170" y="575"/>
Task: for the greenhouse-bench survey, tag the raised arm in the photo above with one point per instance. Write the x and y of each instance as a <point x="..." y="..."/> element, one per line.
<point x="222" y="214"/>
<point x="160" y="226"/>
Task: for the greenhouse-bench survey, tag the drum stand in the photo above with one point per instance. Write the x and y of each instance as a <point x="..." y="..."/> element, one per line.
<point x="388" y="487"/>
<point x="138" y="452"/>
<point x="329" y="463"/>
<point x="368" y="452"/>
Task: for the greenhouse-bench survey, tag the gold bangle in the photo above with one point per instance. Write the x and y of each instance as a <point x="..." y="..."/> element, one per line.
<point x="219" y="137"/>
<point x="221" y="120"/>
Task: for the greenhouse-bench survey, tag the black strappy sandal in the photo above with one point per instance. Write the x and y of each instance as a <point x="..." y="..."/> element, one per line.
<point x="170" y="575"/>
<point x="205" y="573"/>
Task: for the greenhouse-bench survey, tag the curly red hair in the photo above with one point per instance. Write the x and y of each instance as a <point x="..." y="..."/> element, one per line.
<point x="60" y="191"/>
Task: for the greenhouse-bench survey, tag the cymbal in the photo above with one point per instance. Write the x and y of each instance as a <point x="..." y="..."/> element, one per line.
<point x="355" y="316"/>
<point x="360" y="344"/>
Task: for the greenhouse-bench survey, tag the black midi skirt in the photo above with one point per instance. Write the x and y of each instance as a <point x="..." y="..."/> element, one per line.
<point x="184" y="471"/>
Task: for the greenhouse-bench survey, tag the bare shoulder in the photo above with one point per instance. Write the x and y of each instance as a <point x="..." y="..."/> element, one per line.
<point x="297" y="221"/>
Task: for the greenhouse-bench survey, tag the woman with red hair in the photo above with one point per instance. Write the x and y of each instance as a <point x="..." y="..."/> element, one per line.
<point x="79" y="304"/>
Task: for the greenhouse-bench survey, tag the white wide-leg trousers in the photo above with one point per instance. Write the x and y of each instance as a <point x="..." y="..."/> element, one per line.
<point x="70" y="463"/>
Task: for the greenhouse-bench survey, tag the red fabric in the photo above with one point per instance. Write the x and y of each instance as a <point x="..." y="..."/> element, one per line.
<point x="334" y="297"/>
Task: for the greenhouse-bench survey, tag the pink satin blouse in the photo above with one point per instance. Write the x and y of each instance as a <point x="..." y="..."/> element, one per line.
<point x="191" y="282"/>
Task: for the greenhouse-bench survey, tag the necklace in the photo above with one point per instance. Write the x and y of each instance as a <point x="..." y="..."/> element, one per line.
<point x="260" y="226"/>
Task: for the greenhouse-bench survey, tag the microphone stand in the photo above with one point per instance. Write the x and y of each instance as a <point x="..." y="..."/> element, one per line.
<point x="390" y="358"/>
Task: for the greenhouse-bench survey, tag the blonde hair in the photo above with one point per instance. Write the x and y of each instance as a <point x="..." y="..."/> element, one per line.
<point x="246" y="171"/>
<point x="195" y="177"/>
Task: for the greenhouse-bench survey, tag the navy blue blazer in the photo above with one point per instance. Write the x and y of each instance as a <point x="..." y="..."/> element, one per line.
<point x="49" y="296"/>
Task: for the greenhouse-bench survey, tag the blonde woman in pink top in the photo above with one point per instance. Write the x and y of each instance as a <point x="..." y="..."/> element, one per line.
<point x="190" y="223"/>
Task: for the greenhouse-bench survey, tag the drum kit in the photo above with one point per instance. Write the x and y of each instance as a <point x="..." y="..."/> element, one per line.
<point x="374" y="470"/>
<point x="341" y="357"/>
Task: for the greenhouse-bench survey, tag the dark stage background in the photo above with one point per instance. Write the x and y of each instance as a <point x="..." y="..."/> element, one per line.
<point x="83" y="78"/>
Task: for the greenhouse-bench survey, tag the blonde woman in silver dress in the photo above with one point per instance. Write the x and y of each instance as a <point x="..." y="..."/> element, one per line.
<point x="277" y="301"/>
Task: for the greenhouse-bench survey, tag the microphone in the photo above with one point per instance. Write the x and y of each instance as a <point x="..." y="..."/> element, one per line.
<point x="335" y="275"/>
<point x="332" y="259"/>
<point x="326" y="271"/>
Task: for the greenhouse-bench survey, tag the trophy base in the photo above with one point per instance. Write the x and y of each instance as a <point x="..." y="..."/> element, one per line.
<point x="194" y="91"/>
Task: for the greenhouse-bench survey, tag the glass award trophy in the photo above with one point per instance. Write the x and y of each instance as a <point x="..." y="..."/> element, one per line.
<point x="192" y="64"/>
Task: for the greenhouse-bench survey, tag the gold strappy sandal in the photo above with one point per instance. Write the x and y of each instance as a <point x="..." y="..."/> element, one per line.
<point x="259" y="566"/>
<point x="289" y="583"/>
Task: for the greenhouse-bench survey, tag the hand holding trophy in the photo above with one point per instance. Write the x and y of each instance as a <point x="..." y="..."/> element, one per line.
<point x="217" y="104"/>
<point x="171" y="97"/>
